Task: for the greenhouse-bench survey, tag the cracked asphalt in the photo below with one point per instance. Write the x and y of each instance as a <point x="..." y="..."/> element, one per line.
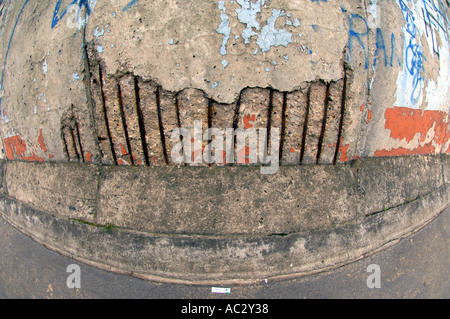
<point x="415" y="267"/>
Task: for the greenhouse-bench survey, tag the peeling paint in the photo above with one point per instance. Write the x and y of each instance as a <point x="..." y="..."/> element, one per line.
<point x="41" y="141"/>
<point x="369" y="116"/>
<point x="249" y="15"/>
<point x="224" y="27"/>
<point x="423" y="132"/>
<point x="343" y="152"/>
<point x="15" y="146"/>
<point x="224" y="64"/>
<point x="44" y="66"/>
<point x="98" y="33"/>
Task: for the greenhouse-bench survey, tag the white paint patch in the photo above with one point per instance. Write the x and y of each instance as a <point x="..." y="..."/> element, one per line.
<point x="224" y="27"/>
<point x="270" y="36"/>
<point x="100" y="49"/>
<point x="215" y="85"/>
<point x="373" y="20"/>
<point x="249" y="15"/>
<point x="44" y="67"/>
<point x="76" y="17"/>
<point x="98" y="33"/>
<point x="437" y="91"/>
<point x="224" y="64"/>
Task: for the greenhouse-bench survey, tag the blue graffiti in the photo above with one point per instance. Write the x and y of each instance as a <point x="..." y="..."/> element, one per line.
<point x="434" y="20"/>
<point x="129" y="5"/>
<point x="80" y="3"/>
<point x="379" y="45"/>
<point x="318" y="1"/>
<point x="353" y="34"/>
<point x="394" y="51"/>
<point x="7" y="52"/>
<point x="413" y="53"/>
<point x="357" y="22"/>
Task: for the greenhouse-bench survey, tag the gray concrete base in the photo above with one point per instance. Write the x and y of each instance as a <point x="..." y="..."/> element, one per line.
<point x="107" y="216"/>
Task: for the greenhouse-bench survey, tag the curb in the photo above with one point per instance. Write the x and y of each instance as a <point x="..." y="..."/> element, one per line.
<point x="200" y="257"/>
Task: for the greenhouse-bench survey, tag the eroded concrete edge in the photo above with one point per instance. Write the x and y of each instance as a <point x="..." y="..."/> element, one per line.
<point x="226" y="259"/>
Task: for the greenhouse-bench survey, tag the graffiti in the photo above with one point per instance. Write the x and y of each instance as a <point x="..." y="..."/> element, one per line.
<point x="434" y="21"/>
<point x="380" y="46"/>
<point x="129" y="5"/>
<point x="7" y="52"/>
<point x="414" y="57"/>
<point x="357" y="22"/>
<point x="355" y="35"/>
<point x="394" y="51"/>
<point x="86" y="4"/>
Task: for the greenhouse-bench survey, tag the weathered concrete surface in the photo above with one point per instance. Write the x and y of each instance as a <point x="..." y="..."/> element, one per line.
<point x="68" y="191"/>
<point x="238" y="202"/>
<point x="99" y="88"/>
<point x="387" y="183"/>
<point x="43" y="90"/>
<point x="177" y="44"/>
<point x="394" y="75"/>
<point x="138" y="230"/>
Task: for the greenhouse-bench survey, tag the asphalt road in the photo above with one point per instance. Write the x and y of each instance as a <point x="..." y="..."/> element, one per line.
<point x="417" y="267"/>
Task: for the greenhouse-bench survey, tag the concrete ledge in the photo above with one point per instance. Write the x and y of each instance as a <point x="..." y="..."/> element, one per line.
<point x="125" y="241"/>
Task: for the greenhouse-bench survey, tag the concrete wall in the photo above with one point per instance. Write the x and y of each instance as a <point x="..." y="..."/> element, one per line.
<point x="92" y="92"/>
<point x="107" y="81"/>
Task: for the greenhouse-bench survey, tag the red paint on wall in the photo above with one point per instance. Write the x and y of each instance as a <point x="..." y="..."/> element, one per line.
<point x="404" y="123"/>
<point x="15" y="146"/>
<point x="123" y="150"/>
<point x="401" y="151"/>
<point x="247" y="119"/>
<point x="369" y="116"/>
<point x="41" y="141"/>
<point x="88" y="156"/>
<point x="343" y="151"/>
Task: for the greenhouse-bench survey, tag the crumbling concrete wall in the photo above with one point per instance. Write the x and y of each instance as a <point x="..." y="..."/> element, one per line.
<point x="108" y="81"/>
<point x="97" y="90"/>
